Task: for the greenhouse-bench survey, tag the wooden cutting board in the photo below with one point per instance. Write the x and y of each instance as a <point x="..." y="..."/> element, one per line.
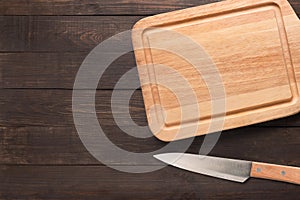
<point x="218" y="66"/>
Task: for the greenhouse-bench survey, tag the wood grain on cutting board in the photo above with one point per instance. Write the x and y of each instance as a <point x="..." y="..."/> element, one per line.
<point x="254" y="47"/>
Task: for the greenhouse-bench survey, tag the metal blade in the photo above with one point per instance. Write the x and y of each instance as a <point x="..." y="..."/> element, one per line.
<point x="234" y="170"/>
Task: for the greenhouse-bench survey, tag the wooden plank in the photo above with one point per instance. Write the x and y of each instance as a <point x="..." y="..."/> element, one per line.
<point x="57" y="70"/>
<point x="54" y="108"/>
<point x="62" y="146"/>
<point x="59" y="33"/>
<point x="94" y="7"/>
<point x="94" y="182"/>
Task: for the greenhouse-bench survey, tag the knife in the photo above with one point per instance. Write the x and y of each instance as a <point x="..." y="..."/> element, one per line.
<point x="230" y="169"/>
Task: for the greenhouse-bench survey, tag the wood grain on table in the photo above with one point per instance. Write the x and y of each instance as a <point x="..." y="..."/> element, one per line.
<point x="42" y="45"/>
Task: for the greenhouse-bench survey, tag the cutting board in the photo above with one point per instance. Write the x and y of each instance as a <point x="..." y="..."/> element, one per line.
<point x="218" y="66"/>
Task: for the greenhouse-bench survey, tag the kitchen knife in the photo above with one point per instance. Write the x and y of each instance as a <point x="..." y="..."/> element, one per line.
<point x="230" y="169"/>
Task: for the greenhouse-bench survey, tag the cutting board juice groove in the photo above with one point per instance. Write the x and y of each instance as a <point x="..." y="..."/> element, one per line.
<point x="255" y="46"/>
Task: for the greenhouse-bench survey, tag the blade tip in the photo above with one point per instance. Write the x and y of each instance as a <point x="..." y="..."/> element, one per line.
<point x="159" y="156"/>
<point x="166" y="157"/>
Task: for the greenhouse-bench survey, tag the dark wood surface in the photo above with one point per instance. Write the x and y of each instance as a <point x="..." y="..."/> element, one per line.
<point x="42" y="44"/>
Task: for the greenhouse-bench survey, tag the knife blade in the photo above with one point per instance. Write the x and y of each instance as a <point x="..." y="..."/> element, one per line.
<point x="230" y="169"/>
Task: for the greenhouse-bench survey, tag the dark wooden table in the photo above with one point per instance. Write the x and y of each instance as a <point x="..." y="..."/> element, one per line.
<point x="42" y="45"/>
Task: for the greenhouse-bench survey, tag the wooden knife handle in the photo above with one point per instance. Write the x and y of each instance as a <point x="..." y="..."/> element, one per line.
<point x="275" y="172"/>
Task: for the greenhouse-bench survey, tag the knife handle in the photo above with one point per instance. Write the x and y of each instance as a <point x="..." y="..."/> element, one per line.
<point x="275" y="172"/>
